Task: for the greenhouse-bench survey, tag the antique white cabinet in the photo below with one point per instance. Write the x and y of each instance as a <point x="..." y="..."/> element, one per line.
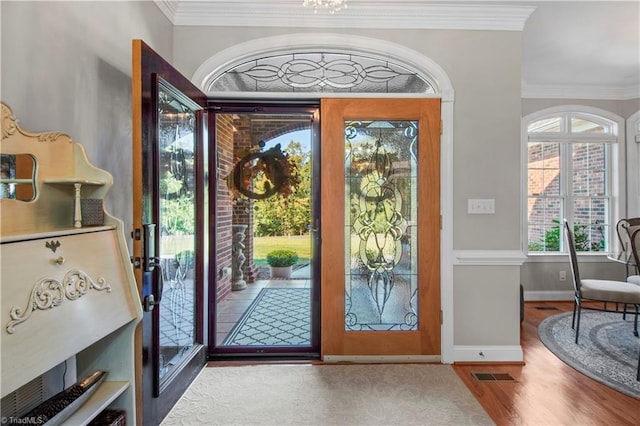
<point x="68" y="292"/>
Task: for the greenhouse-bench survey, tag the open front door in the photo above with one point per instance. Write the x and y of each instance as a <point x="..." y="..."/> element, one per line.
<point x="169" y="227"/>
<point x="381" y="229"/>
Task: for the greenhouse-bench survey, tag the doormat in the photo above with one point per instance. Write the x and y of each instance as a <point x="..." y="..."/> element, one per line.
<point x="277" y="317"/>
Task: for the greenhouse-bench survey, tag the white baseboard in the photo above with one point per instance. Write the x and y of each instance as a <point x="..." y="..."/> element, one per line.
<point x="488" y="353"/>
<point x="548" y="295"/>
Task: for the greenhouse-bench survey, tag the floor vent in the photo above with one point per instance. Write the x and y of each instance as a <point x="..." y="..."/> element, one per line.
<point x="493" y="377"/>
<point x="547" y="308"/>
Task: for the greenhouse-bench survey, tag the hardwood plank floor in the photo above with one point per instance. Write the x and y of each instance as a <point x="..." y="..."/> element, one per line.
<point x="546" y="391"/>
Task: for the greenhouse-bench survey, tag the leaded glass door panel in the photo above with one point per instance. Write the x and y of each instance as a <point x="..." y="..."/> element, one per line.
<point x="381" y="227"/>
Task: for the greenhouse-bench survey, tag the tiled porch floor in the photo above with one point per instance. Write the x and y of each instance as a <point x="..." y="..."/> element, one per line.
<point x="230" y="310"/>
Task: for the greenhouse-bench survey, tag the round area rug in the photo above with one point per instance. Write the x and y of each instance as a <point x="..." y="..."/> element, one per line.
<point x="607" y="350"/>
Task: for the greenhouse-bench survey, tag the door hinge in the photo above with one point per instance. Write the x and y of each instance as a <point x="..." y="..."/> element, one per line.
<point x="441" y="317"/>
<point x="136" y="261"/>
<point x="441" y="126"/>
<point x="440" y="222"/>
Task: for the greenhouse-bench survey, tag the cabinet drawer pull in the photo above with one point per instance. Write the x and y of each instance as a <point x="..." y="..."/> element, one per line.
<point x="59" y="260"/>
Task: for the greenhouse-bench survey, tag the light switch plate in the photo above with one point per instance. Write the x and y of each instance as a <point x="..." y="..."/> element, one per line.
<point x="481" y="206"/>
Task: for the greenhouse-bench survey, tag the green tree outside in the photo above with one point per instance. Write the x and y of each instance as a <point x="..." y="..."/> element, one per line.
<point x="287" y="216"/>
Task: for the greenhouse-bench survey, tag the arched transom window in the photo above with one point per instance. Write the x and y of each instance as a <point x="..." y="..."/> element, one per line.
<point x="320" y="72"/>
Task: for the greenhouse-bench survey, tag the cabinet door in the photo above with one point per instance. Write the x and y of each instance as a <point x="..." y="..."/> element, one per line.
<point x="47" y="294"/>
<point x="169" y="221"/>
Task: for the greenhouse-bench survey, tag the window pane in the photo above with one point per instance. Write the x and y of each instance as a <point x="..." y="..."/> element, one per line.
<point x="177" y="140"/>
<point x="544" y="169"/>
<point x="544" y="216"/>
<point x="589" y="169"/>
<point x="590" y="224"/>
<point x="546" y="125"/>
<point x="588" y="182"/>
<point x="580" y="125"/>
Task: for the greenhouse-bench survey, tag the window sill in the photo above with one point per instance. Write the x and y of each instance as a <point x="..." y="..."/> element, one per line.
<point x="564" y="258"/>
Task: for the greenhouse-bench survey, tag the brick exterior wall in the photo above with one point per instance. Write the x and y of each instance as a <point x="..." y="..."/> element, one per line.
<point x="242" y="212"/>
<point x="224" y="136"/>
<point x="589" y="177"/>
<point x="235" y="133"/>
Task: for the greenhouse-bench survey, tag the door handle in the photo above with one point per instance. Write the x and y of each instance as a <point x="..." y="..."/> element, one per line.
<point x="150" y="300"/>
<point x="148" y="247"/>
<point x="149" y="263"/>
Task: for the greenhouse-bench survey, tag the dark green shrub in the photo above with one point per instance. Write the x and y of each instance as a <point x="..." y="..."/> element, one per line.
<point x="282" y="257"/>
<point x="552" y="239"/>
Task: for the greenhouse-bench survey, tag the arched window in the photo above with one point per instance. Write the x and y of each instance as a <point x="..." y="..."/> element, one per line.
<point x="316" y="64"/>
<point x="572" y="166"/>
<point x="320" y="72"/>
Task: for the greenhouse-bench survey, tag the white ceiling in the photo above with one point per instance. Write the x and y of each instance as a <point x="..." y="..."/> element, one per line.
<point x="571" y="49"/>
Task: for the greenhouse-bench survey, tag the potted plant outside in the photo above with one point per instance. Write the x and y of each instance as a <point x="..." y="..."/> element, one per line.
<point x="281" y="261"/>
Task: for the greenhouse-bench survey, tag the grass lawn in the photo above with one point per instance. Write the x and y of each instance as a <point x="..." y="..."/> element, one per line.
<point x="301" y="244"/>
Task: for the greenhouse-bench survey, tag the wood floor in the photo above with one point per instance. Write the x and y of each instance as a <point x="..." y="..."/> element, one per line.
<point x="546" y="391"/>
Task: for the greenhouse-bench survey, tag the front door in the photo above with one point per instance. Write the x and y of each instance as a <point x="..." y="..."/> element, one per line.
<point x="169" y="225"/>
<point x="381" y="229"/>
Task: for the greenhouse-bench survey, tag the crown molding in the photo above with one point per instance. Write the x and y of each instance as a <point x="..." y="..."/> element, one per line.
<point x="540" y="91"/>
<point x="359" y="14"/>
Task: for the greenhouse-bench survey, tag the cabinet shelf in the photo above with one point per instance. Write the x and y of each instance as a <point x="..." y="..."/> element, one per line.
<point x="12" y="238"/>
<point x="106" y="393"/>
<point x="72" y="181"/>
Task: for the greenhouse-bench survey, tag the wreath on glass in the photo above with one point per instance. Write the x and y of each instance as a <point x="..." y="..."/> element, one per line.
<point x="277" y="173"/>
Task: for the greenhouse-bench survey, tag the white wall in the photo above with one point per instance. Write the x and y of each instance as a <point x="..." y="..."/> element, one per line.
<point x="484" y="68"/>
<point x="633" y="163"/>
<point x="66" y="66"/>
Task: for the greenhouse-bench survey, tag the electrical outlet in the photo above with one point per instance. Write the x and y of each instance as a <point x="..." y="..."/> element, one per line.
<point x="562" y="276"/>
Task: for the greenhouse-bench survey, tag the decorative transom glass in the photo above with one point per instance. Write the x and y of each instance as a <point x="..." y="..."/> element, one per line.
<point x="320" y="72"/>
<point x="381" y="187"/>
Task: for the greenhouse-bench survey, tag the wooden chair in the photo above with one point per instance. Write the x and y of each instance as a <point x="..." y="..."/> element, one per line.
<point x="601" y="291"/>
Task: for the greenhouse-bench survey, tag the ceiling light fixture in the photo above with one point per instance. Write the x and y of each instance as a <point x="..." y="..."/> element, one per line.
<point x="331" y="5"/>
